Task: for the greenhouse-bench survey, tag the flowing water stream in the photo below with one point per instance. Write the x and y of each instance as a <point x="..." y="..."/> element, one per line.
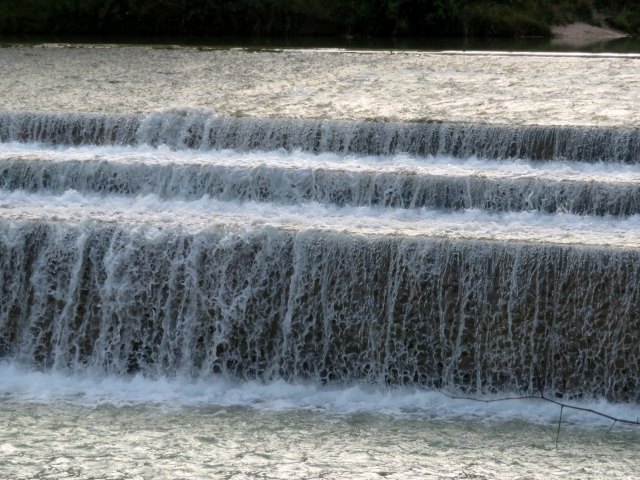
<point x="188" y="291"/>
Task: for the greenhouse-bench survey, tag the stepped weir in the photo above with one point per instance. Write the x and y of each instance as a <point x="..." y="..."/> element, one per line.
<point x="467" y="258"/>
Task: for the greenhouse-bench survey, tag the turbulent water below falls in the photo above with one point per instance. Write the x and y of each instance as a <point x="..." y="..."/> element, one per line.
<point x="57" y="425"/>
<point x="143" y="441"/>
<point x="189" y="294"/>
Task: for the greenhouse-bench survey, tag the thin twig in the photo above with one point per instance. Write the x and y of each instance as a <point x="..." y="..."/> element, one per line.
<point x="555" y="402"/>
<point x="559" y="423"/>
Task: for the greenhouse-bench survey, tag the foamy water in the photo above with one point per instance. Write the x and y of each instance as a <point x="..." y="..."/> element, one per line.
<point x="139" y="428"/>
<point x="18" y="384"/>
<point x="209" y="214"/>
<point x="299" y="160"/>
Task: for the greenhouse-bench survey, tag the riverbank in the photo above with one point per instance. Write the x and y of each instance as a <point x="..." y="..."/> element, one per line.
<point x="580" y="34"/>
<point x="582" y="31"/>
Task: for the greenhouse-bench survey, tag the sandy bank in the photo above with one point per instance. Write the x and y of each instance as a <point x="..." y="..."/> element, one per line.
<point x="580" y="32"/>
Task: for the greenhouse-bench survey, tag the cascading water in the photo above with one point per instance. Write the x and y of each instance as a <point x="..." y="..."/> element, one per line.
<point x="284" y="264"/>
<point x="470" y="258"/>
<point x="203" y="131"/>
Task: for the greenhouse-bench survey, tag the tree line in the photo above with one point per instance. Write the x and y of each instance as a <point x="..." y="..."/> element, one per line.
<point x="375" y="18"/>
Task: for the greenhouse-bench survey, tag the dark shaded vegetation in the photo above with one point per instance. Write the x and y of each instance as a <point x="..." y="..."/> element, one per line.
<point x="378" y="18"/>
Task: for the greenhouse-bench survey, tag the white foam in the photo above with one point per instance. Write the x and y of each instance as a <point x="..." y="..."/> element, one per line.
<point x="375" y="164"/>
<point x="206" y="213"/>
<point x="23" y="385"/>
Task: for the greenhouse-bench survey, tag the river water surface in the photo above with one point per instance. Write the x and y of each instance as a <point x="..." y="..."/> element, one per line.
<point x="551" y="89"/>
<point x="235" y="263"/>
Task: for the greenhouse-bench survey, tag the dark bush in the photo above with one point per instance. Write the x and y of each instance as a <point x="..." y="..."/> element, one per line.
<point x="502" y="21"/>
<point x="382" y="18"/>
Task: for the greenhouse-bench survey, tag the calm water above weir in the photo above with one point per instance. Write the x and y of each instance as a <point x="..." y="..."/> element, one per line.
<point x="229" y="263"/>
<point x="406" y="86"/>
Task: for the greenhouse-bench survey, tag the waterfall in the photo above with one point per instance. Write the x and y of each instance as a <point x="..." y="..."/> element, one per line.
<point x="304" y="179"/>
<point x="203" y="130"/>
<point x="474" y="258"/>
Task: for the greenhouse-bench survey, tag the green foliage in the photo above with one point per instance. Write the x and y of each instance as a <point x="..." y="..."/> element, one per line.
<point x="627" y="20"/>
<point x="307" y="17"/>
<point x="566" y="11"/>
